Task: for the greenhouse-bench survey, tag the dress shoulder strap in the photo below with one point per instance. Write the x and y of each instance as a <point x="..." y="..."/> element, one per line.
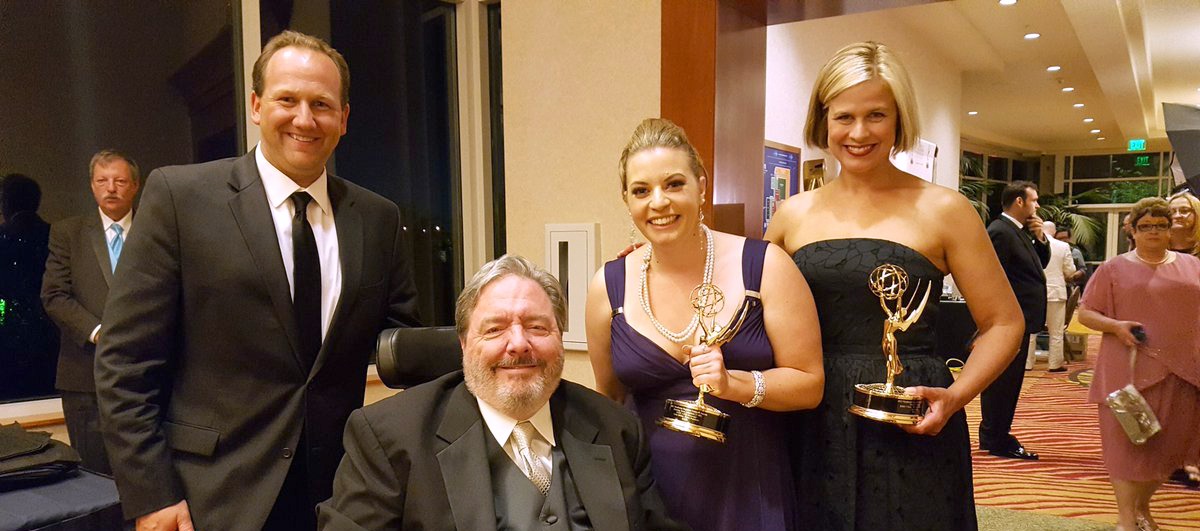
<point x="614" y="283"/>
<point x="754" y="254"/>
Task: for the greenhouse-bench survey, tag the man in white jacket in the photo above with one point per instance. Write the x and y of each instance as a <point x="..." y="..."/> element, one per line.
<point x="1060" y="268"/>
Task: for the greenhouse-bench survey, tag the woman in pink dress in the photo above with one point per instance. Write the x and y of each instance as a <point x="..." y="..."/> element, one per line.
<point x="1157" y="290"/>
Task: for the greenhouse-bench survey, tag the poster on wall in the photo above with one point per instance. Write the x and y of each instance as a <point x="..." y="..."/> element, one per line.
<point x="781" y="173"/>
<point x="919" y="160"/>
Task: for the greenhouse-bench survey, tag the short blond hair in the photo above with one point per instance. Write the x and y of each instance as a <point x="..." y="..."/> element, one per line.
<point x="1195" y="204"/>
<point x="289" y="38"/>
<point x="655" y="133"/>
<point x="850" y="66"/>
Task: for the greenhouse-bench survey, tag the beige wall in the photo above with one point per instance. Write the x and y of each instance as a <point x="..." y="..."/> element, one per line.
<point x="578" y="77"/>
<point x="797" y="50"/>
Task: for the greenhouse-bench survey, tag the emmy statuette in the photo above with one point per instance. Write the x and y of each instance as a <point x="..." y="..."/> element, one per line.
<point x="886" y="402"/>
<point x="696" y="418"/>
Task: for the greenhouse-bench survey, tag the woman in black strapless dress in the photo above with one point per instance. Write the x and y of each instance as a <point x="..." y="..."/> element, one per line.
<point x="854" y="473"/>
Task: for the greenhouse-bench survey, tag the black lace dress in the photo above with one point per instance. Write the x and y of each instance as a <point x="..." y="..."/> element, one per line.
<point x="860" y="474"/>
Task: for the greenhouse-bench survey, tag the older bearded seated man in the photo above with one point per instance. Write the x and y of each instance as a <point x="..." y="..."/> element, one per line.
<point x="504" y="444"/>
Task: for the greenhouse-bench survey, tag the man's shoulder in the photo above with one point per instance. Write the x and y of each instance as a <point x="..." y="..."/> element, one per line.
<point x="419" y="398"/>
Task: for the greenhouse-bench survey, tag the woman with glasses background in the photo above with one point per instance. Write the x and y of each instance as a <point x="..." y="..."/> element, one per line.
<point x="1185" y="233"/>
<point x="1158" y="290"/>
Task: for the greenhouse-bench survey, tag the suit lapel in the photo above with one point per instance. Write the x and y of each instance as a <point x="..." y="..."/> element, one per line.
<point x="349" y="226"/>
<point x="1026" y="241"/>
<point x="253" y="216"/>
<point x="464" y="464"/>
<point x="591" y="465"/>
<point x="93" y="231"/>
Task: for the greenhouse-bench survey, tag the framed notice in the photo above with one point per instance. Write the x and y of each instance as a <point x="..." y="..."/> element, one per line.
<point x="781" y="174"/>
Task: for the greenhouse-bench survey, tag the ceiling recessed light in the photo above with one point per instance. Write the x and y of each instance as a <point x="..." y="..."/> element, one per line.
<point x="1088" y="120"/>
<point x="1008" y="2"/>
<point x="1100" y="138"/>
<point x="972" y="113"/>
<point x="1053" y="68"/>
<point x="1094" y="131"/>
<point x="1078" y="105"/>
<point x="1032" y="36"/>
<point x="1068" y="89"/>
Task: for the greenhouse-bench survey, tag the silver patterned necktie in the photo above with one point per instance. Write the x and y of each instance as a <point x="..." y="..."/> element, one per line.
<point x="533" y="468"/>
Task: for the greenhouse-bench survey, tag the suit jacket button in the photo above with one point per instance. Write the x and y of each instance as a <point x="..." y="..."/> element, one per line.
<point x="550" y="519"/>
<point x="287" y="453"/>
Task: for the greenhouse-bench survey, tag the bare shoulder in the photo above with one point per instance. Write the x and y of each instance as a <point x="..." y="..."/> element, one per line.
<point x="796" y="205"/>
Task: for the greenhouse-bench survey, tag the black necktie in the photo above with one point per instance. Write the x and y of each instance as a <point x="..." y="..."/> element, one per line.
<point x="306" y="281"/>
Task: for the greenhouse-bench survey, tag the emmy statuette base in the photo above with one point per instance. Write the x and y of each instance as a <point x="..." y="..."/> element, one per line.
<point x="873" y="402"/>
<point x="695" y="418"/>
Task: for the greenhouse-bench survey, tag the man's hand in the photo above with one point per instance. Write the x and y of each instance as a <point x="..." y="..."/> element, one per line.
<point x="1034" y="225"/>
<point x="175" y="517"/>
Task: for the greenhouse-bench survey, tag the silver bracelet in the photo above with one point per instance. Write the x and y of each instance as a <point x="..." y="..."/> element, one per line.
<point x="760" y="389"/>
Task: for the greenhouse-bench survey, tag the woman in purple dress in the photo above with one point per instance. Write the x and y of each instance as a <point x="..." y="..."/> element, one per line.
<point x="642" y="330"/>
<point x="1158" y="290"/>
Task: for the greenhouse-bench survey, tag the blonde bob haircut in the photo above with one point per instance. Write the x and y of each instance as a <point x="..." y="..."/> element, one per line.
<point x="854" y="64"/>
<point x="655" y="133"/>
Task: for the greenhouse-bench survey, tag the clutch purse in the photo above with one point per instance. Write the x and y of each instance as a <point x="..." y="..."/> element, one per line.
<point x="1133" y="413"/>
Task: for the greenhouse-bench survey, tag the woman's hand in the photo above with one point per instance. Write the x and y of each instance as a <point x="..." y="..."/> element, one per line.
<point x="943" y="404"/>
<point x="708" y="367"/>
<point x="1124" y="332"/>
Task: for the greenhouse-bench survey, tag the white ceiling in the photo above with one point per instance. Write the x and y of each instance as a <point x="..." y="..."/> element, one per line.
<point x="1124" y="58"/>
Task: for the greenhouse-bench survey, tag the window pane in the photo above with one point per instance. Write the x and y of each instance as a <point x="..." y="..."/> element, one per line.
<point x="1135" y="165"/>
<point x="997" y="169"/>
<point x="972" y="164"/>
<point x="1026" y="170"/>
<point x="1113" y="191"/>
<point x="1092" y="167"/>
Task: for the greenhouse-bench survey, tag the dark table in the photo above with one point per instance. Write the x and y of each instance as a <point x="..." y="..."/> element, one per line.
<point x="83" y="502"/>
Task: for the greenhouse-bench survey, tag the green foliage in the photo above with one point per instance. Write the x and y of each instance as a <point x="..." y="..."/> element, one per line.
<point x="1062" y="210"/>
<point x="975" y="191"/>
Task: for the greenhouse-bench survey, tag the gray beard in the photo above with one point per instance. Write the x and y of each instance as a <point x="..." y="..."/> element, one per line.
<point x="512" y="398"/>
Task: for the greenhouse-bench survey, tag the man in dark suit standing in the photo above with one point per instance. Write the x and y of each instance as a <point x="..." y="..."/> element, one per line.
<point x="1024" y="252"/>
<point x="504" y="444"/>
<point x="83" y="254"/>
<point x="243" y="312"/>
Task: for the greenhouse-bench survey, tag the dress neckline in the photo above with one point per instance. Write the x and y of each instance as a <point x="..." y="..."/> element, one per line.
<point x="893" y="242"/>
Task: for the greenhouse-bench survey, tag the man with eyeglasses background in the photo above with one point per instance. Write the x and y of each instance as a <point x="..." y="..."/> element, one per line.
<point x="83" y="255"/>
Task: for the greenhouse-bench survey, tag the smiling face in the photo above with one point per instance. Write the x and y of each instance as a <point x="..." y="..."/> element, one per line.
<point x="299" y="112"/>
<point x="1182" y="216"/>
<point x="862" y="127"/>
<point x="664" y="195"/>
<point x="512" y="349"/>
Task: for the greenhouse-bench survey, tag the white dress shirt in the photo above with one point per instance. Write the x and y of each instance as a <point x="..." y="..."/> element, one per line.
<point x="106" y="223"/>
<point x="279" y="188"/>
<point x="502" y="425"/>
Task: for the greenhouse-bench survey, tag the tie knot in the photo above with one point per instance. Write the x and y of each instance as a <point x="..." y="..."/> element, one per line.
<point x="117" y="229"/>
<point x="301" y="201"/>
<point x="524" y="432"/>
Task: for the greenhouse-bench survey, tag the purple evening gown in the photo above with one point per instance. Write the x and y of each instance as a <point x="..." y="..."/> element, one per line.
<point x="745" y="483"/>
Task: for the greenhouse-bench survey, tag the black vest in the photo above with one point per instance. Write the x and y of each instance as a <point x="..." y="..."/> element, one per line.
<point x="519" y="505"/>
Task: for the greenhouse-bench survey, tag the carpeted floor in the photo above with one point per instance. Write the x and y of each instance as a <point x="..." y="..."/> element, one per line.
<point x="1068" y="487"/>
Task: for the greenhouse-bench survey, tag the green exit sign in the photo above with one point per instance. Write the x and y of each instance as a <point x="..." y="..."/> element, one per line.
<point x="1137" y="144"/>
<point x="1142" y="160"/>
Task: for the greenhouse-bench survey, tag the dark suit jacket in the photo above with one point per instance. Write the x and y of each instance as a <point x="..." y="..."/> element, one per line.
<point x="418" y="460"/>
<point x="202" y="390"/>
<point x="74" y="289"/>
<point x="1024" y="260"/>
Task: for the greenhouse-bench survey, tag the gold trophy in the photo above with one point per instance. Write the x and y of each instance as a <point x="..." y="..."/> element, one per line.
<point x="884" y="401"/>
<point x="696" y="418"/>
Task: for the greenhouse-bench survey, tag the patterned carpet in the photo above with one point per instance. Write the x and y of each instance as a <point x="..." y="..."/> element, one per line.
<point x="1054" y="420"/>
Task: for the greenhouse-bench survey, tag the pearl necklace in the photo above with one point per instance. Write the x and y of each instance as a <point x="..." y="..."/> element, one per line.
<point x="1166" y="256"/>
<point x="644" y="295"/>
